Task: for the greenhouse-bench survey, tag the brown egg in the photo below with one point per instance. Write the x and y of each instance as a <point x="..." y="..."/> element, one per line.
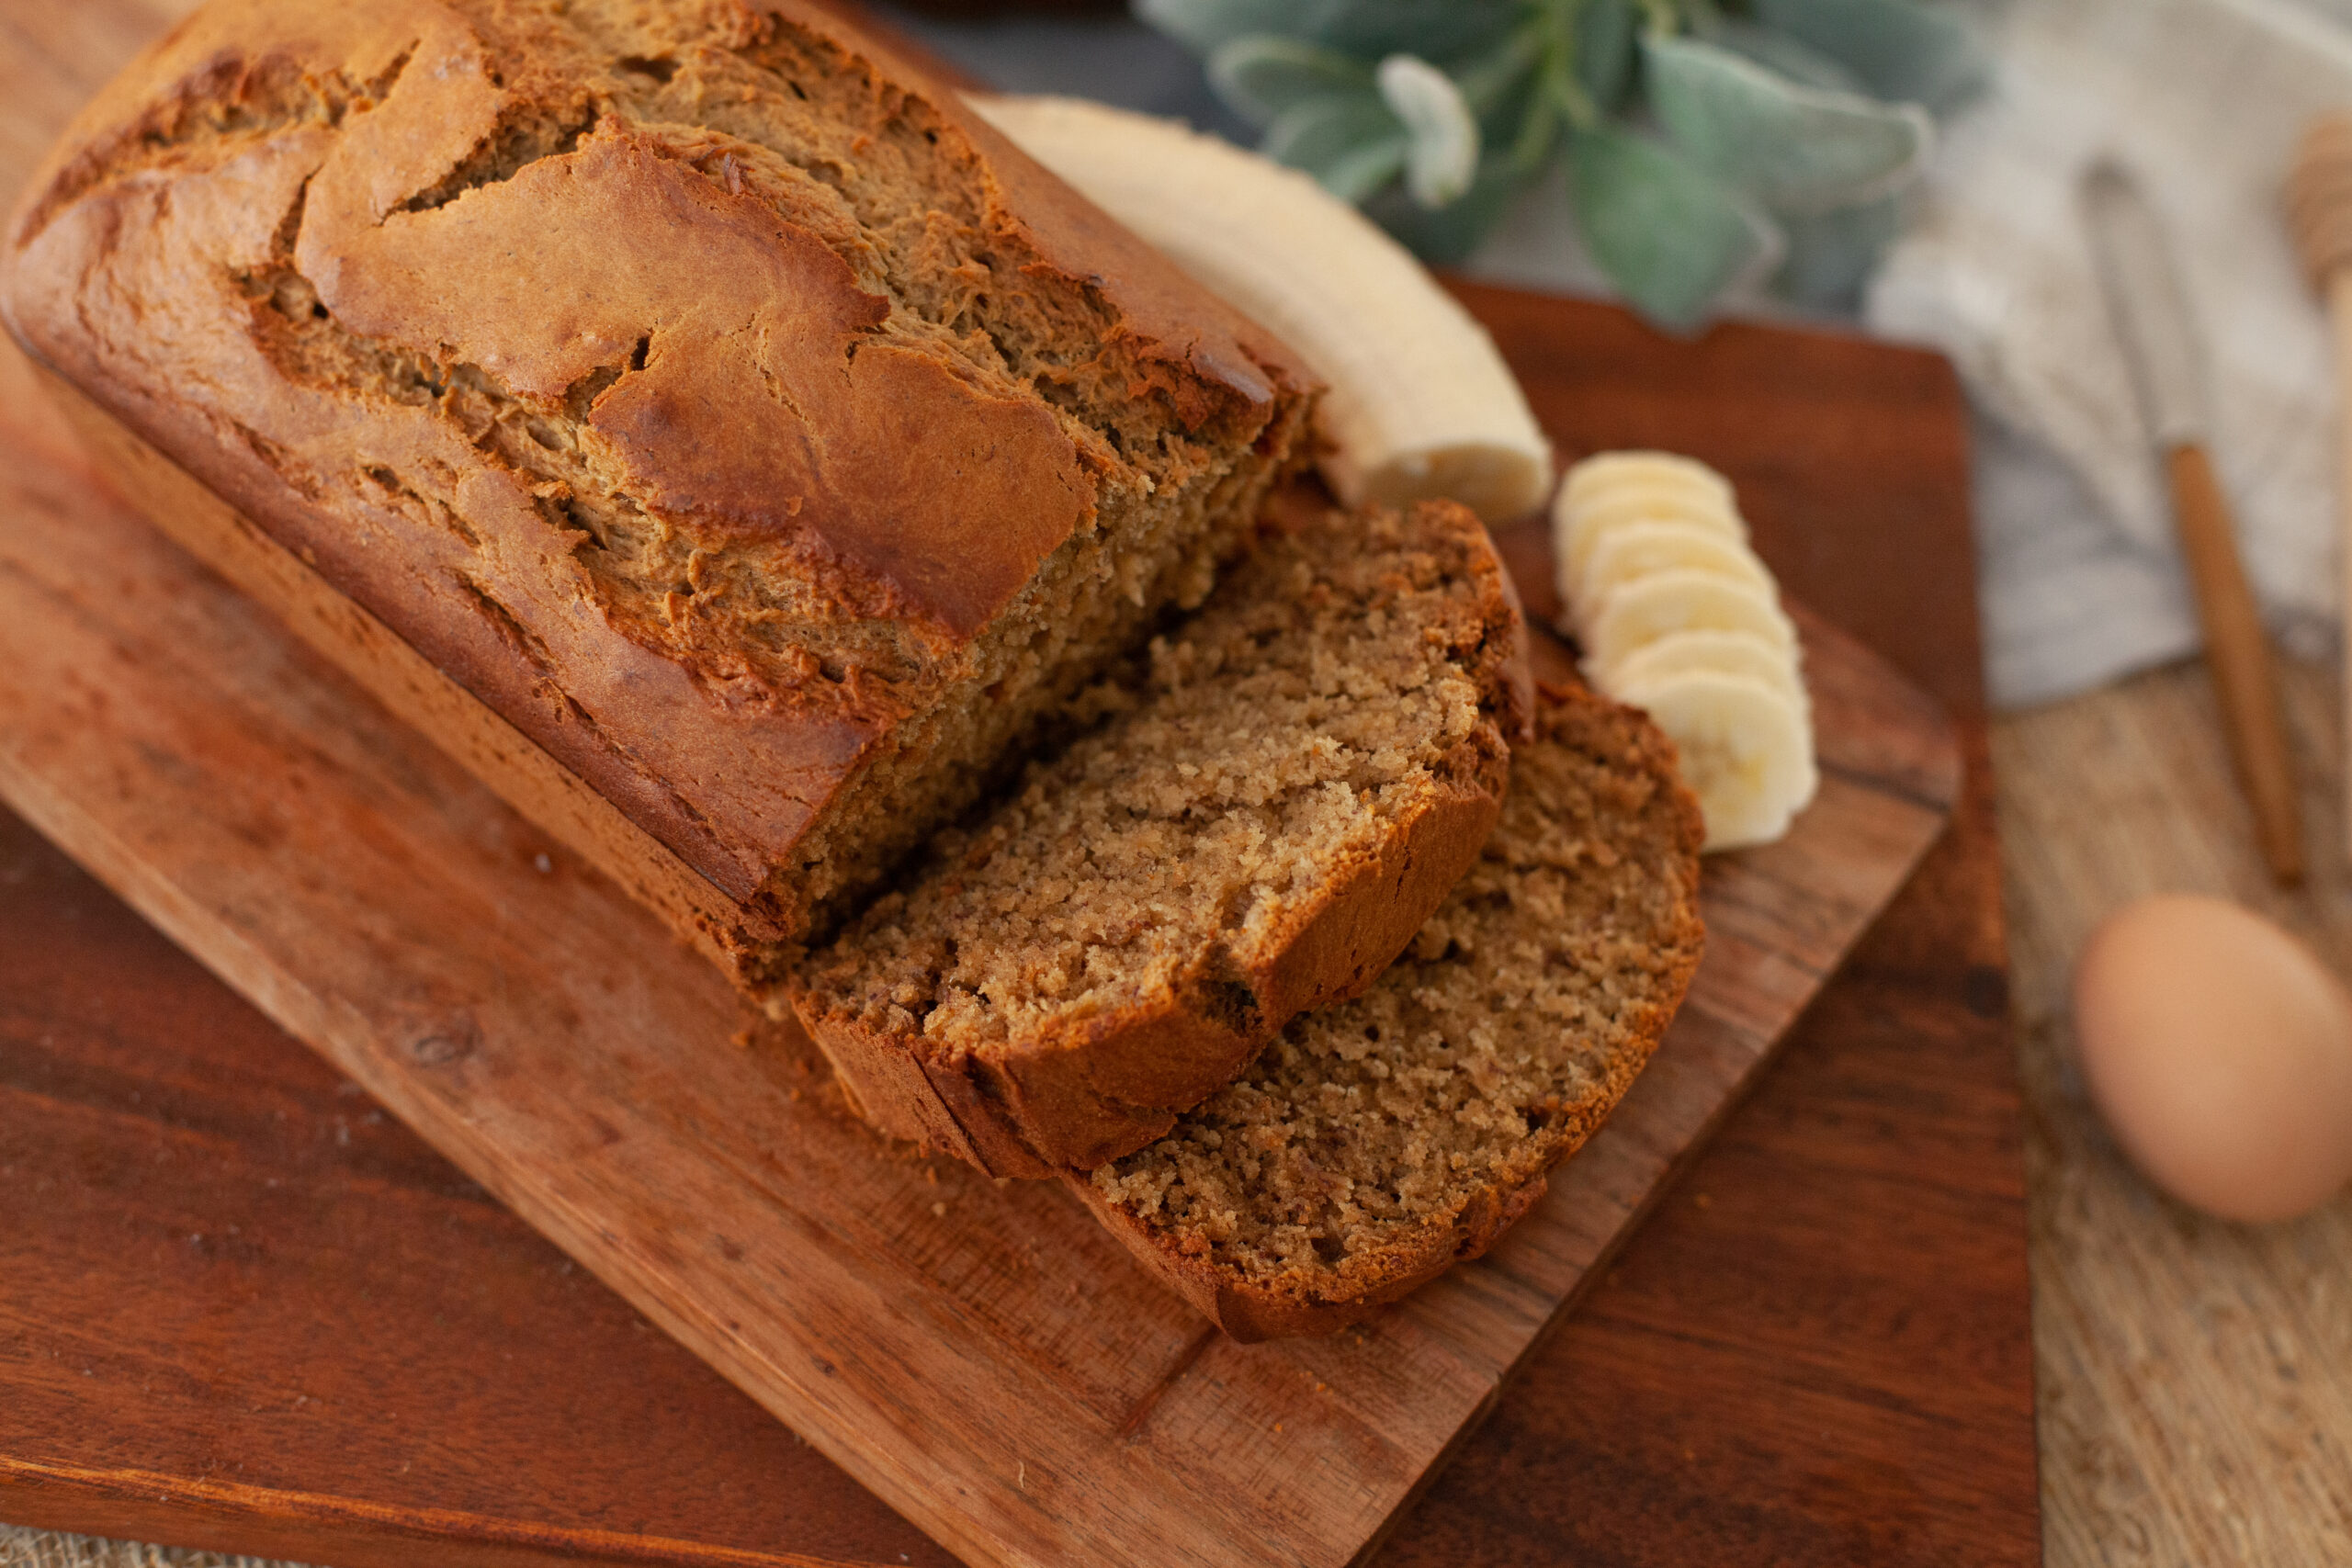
<point x="2220" y="1051"/>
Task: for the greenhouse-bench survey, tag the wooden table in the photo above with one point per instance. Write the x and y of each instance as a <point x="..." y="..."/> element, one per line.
<point x="2196" y="1376"/>
<point x="1817" y="1350"/>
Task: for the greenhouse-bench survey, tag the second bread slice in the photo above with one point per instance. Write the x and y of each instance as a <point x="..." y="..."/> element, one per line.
<point x="1376" y="1145"/>
<point x="1273" y="809"/>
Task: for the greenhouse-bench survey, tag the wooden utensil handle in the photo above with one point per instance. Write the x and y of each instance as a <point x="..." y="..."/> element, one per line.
<point x="2238" y="653"/>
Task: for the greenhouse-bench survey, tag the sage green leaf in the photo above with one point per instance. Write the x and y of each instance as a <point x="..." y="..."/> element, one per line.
<point x="1439" y="29"/>
<point x="1604" y="52"/>
<point x="1831" y="255"/>
<point x="1351" y="143"/>
<point x="1798" y="62"/>
<point x="1901" y="50"/>
<point x="1669" y="235"/>
<point x="1448" y="236"/>
<point x="1261" y="75"/>
<point x="1443" y="158"/>
<point x="1798" y="148"/>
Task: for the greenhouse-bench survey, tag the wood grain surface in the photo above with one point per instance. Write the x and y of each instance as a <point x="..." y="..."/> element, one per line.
<point x="1891" y="1457"/>
<point x="2197" y="1375"/>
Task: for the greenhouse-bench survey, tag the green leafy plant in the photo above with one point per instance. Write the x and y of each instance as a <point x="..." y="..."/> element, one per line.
<point x="1704" y="142"/>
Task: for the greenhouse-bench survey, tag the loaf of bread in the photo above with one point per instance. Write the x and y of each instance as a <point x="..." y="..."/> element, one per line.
<point x="1375" y="1145"/>
<point x="1279" y="797"/>
<point x="756" y="431"/>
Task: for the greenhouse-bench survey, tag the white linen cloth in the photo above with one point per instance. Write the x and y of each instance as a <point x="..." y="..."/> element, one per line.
<point x="2204" y="99"/>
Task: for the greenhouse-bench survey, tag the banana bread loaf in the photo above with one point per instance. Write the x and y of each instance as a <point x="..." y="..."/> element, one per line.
<point x="758" y="432"/>
<point x="1377" y="1143"/>
<point x="1279" y="797"/>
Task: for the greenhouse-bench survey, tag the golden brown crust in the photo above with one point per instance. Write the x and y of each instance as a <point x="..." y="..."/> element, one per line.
<point x="1250" y="1309"/>
<point x="466" y="191"/>
<point x="1252" y="1312"/>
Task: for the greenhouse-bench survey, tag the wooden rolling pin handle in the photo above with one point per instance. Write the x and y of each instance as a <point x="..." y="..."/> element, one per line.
<point x="2237" y="651"/>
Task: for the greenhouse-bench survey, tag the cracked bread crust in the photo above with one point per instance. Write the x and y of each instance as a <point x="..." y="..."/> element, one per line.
<point x="1378" y="1143"/>
<point x="763" y="436"/>
<point x="1274" y="808"/>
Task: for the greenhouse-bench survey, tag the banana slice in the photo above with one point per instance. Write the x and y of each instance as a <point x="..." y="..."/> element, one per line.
<point x="1635" y="550"/>
<point x="1420" y="403"/>
<point x="1658" y="470"/>
<point x="1652" y="607"/>
<point x="1745" y="750"/>
<point x="1577" y="530"/>
<point x="1726" y="653"/>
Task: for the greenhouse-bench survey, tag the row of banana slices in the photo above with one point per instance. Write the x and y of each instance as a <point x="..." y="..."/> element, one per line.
<point x="1676" y="614"/>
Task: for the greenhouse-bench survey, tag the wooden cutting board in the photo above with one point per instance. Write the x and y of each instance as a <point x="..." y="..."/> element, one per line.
<point x="983" y="1357"/>
<point x="282" y="829"/>
<point x="180" y="1399"/>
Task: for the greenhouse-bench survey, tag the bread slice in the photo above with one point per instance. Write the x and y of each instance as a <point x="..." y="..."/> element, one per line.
<point x="1279" y="799"/>
<point x="699" y="384"/>
<point x="1379" y="1143"/>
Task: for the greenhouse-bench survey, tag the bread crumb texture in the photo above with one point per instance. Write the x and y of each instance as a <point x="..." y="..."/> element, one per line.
<point x="1345" y="676"/>
<point x="1375" y="1138"/>
<point x="689" y="313"/>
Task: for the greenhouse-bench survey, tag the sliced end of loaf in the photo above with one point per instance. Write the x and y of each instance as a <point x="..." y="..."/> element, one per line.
<point x="1377" y="1144"/>
<point x="1278" y="797"/>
